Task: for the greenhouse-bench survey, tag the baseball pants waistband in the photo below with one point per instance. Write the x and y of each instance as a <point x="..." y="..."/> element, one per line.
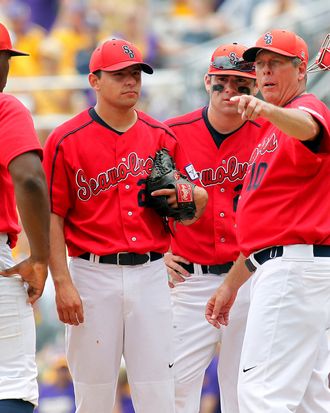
<point x="299" y="251"/>
<point x="122" y="258"/>
<point x="216" y="269"/>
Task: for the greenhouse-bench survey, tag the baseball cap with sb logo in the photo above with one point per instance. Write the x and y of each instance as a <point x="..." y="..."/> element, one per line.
<point x="228" y="60"/>
<point x="116" y="54"/>
<point x="6" y="45"/>
<point x="283" y="42"/>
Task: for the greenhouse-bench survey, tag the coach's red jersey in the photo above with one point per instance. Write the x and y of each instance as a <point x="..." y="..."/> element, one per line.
<point x="17" y="136"/>
<point x="286" y="194"/>
<point x="221" y="170"/>
<point x="97" y="178"/>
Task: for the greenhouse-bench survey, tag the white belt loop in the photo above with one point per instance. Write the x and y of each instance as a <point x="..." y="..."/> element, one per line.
<point x="298" y="252"/>
<point x="94" y="258"/>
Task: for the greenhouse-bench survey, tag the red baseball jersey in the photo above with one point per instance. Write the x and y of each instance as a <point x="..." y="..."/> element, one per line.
<point x="221" y="170"/>
<point x="17" y="137"/>
<point x="286" y="194"/>
<point x="97" y="177"/>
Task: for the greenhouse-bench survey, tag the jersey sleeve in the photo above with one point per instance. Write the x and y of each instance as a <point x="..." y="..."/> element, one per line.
<point x="313" y="106"/>
<point x="16" y="130"/>
<point x="56" y="170"/>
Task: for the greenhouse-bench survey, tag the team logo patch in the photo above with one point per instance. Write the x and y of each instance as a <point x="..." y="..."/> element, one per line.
<point x="233" y="58"/>
<point x="184" y="193"/>
<point x="191" y="171"/>
<point x="128" y="51"/>
<point x="268" y="38"/>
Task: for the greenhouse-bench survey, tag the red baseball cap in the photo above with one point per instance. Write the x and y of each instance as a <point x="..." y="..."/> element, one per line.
<point x="5" y="43"/>
<point x="228" y="60"/>
<point x="117" y="54"/>
<point x="279" y="41"/>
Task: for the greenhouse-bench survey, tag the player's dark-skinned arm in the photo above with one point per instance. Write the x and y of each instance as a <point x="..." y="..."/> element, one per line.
<point x="219" y="305"/>
<point x="175" y="271"/>
<point x="68" y="301"/>
<point x="200" y="199"/>
<point x="293" y="122"/>
<point x="32" y="202"/>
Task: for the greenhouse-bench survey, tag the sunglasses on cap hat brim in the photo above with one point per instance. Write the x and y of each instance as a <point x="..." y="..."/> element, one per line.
<point x="225" y="63"/>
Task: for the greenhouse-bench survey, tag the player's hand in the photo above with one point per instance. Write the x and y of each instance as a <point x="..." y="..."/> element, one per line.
<point x="175" y="271"/>
<point x="170" y="194"/>
<point x="69" y="304"/>
<point x="33" y="272"/>
<point x="219" y="305"/>
<point x="251" y="107"/>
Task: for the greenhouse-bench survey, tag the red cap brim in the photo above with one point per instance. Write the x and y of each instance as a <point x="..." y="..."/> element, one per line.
<point x="250" y="54"/>
<point x="14" y="52"/>
<point x="144" y="66"/>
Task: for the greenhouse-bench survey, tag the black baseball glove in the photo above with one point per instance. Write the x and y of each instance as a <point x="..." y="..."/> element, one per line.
<point x="165" y="175"/>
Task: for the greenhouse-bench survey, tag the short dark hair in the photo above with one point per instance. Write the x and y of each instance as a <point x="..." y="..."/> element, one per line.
<point x="98" y="73"/>
<point x="296" y="61"/>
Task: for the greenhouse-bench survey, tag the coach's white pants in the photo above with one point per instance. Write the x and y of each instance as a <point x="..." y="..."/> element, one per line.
<point x="196" y="340"/>
<point x="18" y="370"/>
<point x="285" y="356"/>
<point x="127" y="312"/>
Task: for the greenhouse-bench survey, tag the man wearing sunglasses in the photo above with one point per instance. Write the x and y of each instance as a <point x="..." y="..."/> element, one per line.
<point x="283" y="228"/>
<point x="219" y="143"/>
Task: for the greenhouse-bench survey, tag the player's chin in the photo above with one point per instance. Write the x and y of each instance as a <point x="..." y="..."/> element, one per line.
<point x="129" y="101"/>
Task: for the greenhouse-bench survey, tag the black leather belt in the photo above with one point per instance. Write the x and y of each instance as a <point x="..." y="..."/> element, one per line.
<point x="209" y="269"/>
<point x="124" y="258"/>
<point x="273" y="252"/>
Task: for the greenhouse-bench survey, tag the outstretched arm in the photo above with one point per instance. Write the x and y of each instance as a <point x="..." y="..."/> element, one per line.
<point x="32" y="202"/>
<point x="219" y="305"/>
<point x="293" y="122"/>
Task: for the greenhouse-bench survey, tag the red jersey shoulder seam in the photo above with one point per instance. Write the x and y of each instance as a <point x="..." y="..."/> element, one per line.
<point x="58" y="144"/>
<point x="165" y="128"/>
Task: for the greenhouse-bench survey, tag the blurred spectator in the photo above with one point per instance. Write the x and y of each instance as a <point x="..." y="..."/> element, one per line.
<point x="270" y="13"/>
<point x="93" y="29"/>
<point x="58" y="395"/>
<point x="202" y="24"/>
<point x="26" y="36"/>
<point x="71" y="31"/>
<point x="124" y="402"/>
<point x="210" y="400"/>
<point x="52" y="101"/>
<point x="136" y="27"/>
<point x="181" y="8"/>
<point x="43" y="12"/>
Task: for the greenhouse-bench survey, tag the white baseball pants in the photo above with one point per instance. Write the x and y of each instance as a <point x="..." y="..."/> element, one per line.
<point x="18" y="370"/>
<point x="127" y="312"/>
<point x="285" y="356"/>
<point x="196" y="340"/>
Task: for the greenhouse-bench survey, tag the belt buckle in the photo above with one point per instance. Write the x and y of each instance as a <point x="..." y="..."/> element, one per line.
<point x="118" y="256"/>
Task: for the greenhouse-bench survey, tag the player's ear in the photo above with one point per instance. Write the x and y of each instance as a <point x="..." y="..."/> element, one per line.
<point x="302" y="70"/>
<point x="93" y="81"/>
<point x="207" y="82"/>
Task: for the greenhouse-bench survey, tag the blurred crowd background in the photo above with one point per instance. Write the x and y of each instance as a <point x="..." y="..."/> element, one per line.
<point x="177" y="38"/>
